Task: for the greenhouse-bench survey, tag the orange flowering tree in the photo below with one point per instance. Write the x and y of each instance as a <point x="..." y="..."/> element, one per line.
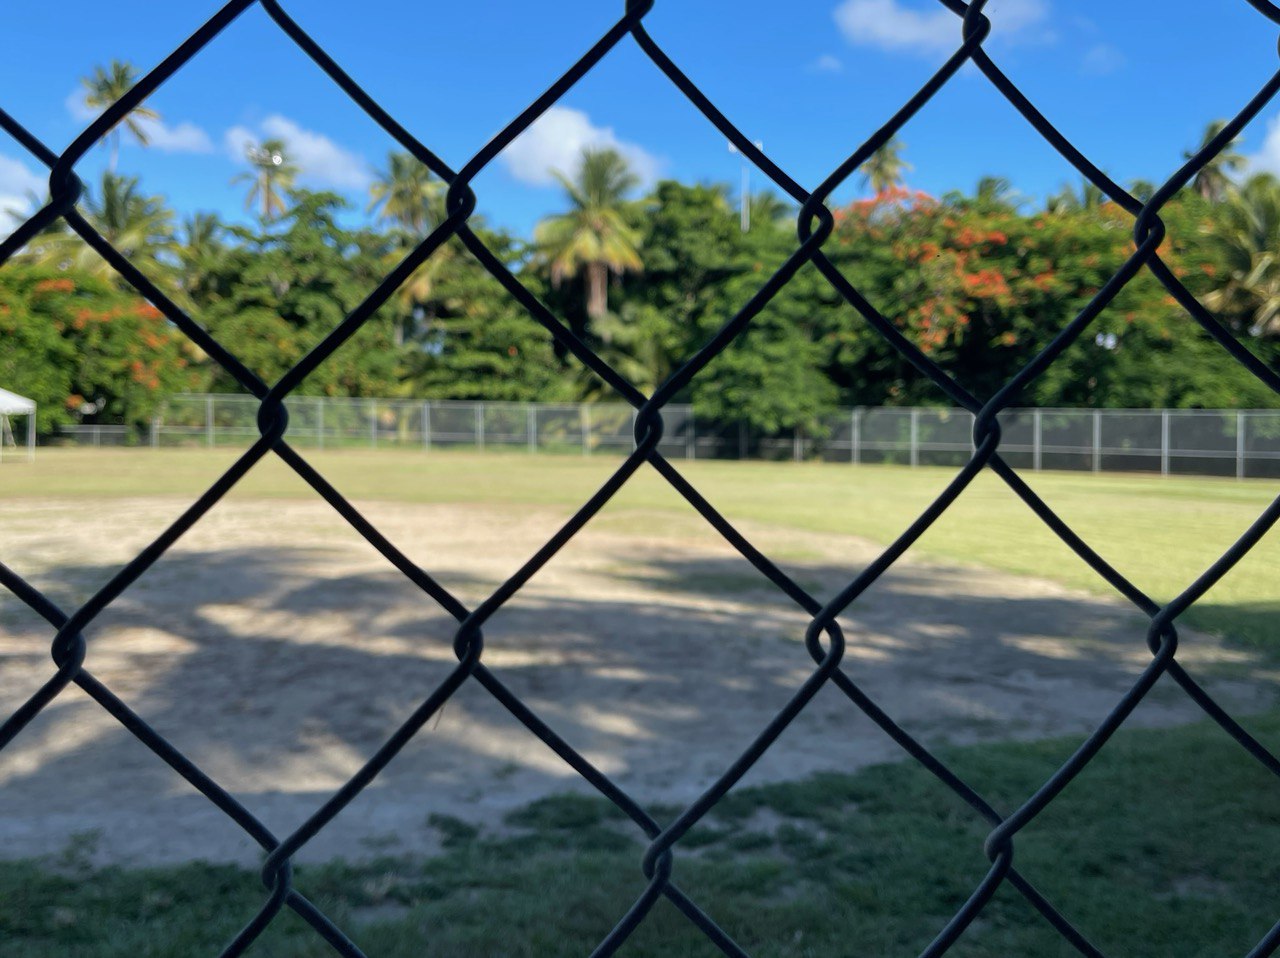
<point x="982" y="288"/>
<point x="75" y="342"/>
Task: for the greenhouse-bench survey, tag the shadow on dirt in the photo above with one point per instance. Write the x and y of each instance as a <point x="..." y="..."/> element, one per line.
<point x="281" y="680"/>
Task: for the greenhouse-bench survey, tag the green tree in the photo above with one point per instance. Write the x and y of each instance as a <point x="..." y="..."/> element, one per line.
<point x="1070" y="200"/>
<point x="475" y="342"/>
<point x="594" y="236"/>
<point x="1244" y="234"/>
<point x="199" y="253"/>
<point x="74" y="339"/>
<point x="1213" y="182"/>
<point x="137" y="225"/>
<point x="996" y="193"/>
<point x="271" y="177"/>
<point x="884" y="171"/>
<point x="285" y="286"/>
<point x="700" y="270"/>
<point x="692" y="245"/>
<point x="770" y="211"/>
<point x="1142" y="190"/>
<point x="103" y="89"/>
<point x="408" y="194"/>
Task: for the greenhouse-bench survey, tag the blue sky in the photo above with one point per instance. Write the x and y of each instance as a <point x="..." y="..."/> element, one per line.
<point x="1133" y="83"/>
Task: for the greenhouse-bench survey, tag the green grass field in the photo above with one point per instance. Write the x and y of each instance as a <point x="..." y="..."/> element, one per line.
<point x="1165" y="846"/>
<point x="866" y="864"/>
<point x="1161" y="533"/>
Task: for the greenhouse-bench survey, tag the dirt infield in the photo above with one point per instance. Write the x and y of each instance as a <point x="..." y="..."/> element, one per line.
<point x="278" y="650"/>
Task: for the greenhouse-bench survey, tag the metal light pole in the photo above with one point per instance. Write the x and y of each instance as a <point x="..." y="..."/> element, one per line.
<point x="745" y="217"/>
<point x="261" y="157"/>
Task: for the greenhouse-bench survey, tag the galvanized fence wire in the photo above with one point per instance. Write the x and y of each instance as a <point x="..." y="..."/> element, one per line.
<point x="824" y="639"/>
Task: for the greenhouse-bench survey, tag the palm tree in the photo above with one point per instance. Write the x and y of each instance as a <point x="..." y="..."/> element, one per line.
<point x="884" y="170"/>
<point x="1142" y="190"/>
<point x="1067" y="200"/>
<point x="201" y="249"/>
<point x="107" y="86"/>
<point x="138" y="226"/>
<point x="1245" y="236"/>
<point x="641" y="344"/>
<point x="408" y="194"/>
<point x="270" y="179"/>
<point x="995" y="193"/>
<point x="1213" y="182"/>
<point x="593" y="236"/>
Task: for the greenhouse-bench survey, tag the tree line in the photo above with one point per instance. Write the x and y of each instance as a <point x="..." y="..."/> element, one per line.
<point x="980" y="281"/>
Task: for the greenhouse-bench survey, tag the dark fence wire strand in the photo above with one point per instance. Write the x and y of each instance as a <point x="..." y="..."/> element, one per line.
<point x="814" y="224"/>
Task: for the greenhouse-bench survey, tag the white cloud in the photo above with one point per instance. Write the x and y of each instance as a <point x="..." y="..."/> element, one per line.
<point x="1267" y="159"/>
<point x="238" y="139"/>
<point x="320" y="161"/>
<point x="912" y="26"/>
<point x="1103" y="59"/>
<point x="16" y="181"/>
<point x="78" y="109"/>
<point x="183" y="138"/>
<point x="827" y="64"/>
<point x="556" y="140"/>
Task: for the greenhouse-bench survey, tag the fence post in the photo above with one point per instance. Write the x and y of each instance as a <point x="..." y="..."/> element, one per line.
<point x="320" y="422"/>
<point x="426" y="426"/>
<point x="208" y="421"/>
<point x="373" y="423"/>
<point x="1164" y="442"/>
<point x="1240" y="447"/>
<point x="797" y="441"/>
<point x="531" y="426"/>
<point x="691" y="439"/>
<point x="1037" y="441"/>
<point x="155" y="432"/>
<point x="915" y="438"/>
<point x="480" y="426"/>
<point x="584" y="423"/>
<point x="1097" y="440"/>
<point x="855" y="436"/>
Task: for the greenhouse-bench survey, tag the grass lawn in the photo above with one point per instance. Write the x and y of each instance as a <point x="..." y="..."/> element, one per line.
<point x="1167" y="845"/>
<point x="1159" y="532"/>
<point x="866" y="864"/>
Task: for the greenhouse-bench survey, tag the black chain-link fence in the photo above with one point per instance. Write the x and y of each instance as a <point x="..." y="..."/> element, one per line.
<point x="824" y="640"/>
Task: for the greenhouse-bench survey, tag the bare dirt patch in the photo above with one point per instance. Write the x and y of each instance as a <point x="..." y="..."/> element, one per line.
<point x="278" y="650"/>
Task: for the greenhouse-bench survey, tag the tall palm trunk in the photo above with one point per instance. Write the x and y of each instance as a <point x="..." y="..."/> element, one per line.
<point x="597" y="290"/>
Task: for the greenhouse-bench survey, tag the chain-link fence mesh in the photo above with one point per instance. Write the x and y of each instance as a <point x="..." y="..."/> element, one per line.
<point x="824" y="640"/>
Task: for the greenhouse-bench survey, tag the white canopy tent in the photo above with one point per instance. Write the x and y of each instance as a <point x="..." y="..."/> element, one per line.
<point x="11" y="404"/>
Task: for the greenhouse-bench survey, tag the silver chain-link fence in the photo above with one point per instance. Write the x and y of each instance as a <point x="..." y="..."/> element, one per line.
<point x="824" y="641"/>
<point x="1244" y="443"/>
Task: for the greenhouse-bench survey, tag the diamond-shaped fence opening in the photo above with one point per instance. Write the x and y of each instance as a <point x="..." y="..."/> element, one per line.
<point x="274" y="420"/>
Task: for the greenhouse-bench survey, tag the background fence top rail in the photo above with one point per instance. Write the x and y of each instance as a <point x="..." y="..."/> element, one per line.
<point x="1223" y="442"/>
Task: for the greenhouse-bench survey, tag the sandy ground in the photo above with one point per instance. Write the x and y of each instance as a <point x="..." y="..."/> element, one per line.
<point x="277" y="650"/>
